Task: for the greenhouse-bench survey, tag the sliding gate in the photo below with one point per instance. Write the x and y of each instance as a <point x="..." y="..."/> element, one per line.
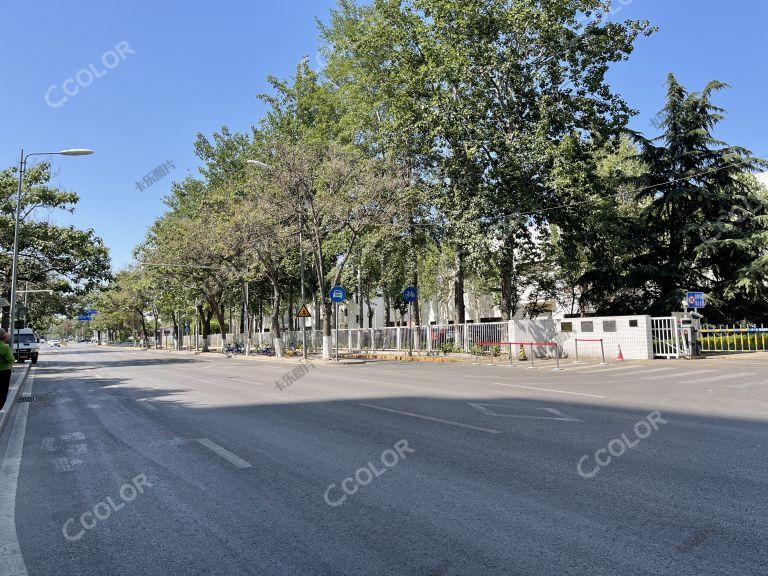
<point x="665" y="334"/>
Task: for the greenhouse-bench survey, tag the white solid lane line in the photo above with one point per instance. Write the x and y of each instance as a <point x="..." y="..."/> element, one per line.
<point x="144" y="403"/>
<point x="236" y="461"/>
<point x="718" y="378"/>
<point x="620" y="368"/>
<point x="432" y="418"/>
<point x="681" y="374"/>
<point x="549" y="390"/>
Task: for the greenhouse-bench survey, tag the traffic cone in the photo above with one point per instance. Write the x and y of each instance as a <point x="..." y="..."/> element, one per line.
<point x="521" y="355"/>
<point x="619" y="356"/>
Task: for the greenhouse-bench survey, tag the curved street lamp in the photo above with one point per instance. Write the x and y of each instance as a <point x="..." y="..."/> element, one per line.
<point x="14" y="267"/>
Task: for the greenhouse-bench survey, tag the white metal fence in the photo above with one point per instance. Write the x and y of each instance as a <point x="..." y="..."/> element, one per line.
<point x="435" y="338"/>
<point x="665" y="334"/>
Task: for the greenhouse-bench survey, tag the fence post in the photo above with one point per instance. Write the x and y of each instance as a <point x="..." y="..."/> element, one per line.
<point x="532" y="366"/>
<point x="557" y="357"/>
<point x="576" y="342"/>
<point x="602" y="353"/>
<point x="466" y="337"/>
<point x="429" y="340"/>
<point x="397" y="334"/>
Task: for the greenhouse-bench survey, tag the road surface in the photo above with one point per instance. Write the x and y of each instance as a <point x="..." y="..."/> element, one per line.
<point x="146" y="462"/>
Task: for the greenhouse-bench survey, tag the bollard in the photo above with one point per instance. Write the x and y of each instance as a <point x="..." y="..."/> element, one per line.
<point x="532" y="367"/>
<point x="577" y="352"/>
<point x="557" y="359"/>
<point x="602" y="353"/>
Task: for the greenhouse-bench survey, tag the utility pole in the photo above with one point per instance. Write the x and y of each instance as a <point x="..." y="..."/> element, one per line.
<point x="247" y="323"/>
<point x="303" y="297"/>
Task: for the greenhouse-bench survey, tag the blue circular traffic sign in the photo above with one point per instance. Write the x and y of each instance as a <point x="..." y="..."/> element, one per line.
<point x="410" y="294"/>
<point x="338" y="294"/>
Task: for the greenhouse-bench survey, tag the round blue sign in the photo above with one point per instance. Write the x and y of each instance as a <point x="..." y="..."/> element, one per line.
<point x="338" y="294"/>
<point x="410" y="294"/>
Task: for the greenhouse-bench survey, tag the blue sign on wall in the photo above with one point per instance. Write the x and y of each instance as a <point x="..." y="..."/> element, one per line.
<point x="338" y="294"/>
<point x="696" y="300"/>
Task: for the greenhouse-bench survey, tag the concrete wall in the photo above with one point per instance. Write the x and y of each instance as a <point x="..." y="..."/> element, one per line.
<point x="635" y="341"/>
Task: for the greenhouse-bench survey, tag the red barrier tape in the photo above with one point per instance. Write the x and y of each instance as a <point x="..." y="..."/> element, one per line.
<point x="515" y="344"/>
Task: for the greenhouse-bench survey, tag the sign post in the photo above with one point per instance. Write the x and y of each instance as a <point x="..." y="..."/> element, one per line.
<point x="338" y="295"/>
<point x="410" y="295"/>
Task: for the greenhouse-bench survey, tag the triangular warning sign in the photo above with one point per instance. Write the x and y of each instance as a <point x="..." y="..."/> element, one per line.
<point x="304" y="313"/>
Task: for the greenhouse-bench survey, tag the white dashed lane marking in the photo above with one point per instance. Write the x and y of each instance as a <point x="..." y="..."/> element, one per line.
<point x="719" y="378"/>
<point x="432" y="419"/>
<point x="236" y="461"/>
<point x="549" y="390"/>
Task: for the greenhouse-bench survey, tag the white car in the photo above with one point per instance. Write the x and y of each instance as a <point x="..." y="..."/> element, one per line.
<point x="25" y="345"/>
<point x="54" y="343"/>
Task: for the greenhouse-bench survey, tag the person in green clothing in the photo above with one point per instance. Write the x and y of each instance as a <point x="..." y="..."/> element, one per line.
<point x="6" y="365"/>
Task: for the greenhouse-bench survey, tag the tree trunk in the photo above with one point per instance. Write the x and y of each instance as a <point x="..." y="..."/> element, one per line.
<point x="205" y="323"/>
<point x="416" y="307"/>
<point x="329" y="319"/>
<point x="360" y="311"/>
<point x="144" y="330"/>
<point x="219" y="312"/>
<point x="291" y="319"/>
<point x="371" y="313"/>
<point x="176" y="331"/>
<point x="460" y="316"/>
<point x="507" y="288"/>
<point x="275" y="318"/>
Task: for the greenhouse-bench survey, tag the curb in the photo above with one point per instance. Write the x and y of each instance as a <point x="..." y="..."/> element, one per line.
<point x="13" y="395"/>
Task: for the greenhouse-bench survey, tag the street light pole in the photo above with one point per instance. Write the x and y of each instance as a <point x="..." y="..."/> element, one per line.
<point x="15" y="264"/>
<point x="303" y="297"/>
<point x="247" y="322"/>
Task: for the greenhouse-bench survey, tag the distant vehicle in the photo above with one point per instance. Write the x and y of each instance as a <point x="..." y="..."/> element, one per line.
<point x="41" y="341"/>
<point x="55" y="343"/>
<point x="26" y="346"/>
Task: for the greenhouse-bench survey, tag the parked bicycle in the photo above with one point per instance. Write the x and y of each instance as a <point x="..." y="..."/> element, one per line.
<point x="263" y="351"/>
<point x="232" y="350"/>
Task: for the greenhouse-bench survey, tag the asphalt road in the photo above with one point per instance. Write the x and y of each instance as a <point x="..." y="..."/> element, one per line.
<point x="135" y="462"/>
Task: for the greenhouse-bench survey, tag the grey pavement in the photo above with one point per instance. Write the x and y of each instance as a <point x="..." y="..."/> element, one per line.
<point x="144" y="462"/>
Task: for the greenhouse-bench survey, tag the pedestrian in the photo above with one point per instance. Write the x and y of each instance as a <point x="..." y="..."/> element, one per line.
<point x="6" y="364"/>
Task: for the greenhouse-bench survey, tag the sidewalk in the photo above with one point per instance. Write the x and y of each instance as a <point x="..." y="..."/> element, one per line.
<point x="213" y="355"/>
<point x="18" y="378"/>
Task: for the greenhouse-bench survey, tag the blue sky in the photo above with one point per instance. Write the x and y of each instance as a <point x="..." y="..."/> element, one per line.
<point x="196" y="66"/>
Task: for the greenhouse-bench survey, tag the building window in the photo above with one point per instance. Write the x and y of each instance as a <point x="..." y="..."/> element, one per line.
<point x="588" y="326"/>
<point x="609" y="325"/>
<point x="633" y="324"/>
<point x="566" y="327"/>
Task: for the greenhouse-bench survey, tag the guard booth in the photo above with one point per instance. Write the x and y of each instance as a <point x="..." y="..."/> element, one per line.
<point x="690" y="330"/>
